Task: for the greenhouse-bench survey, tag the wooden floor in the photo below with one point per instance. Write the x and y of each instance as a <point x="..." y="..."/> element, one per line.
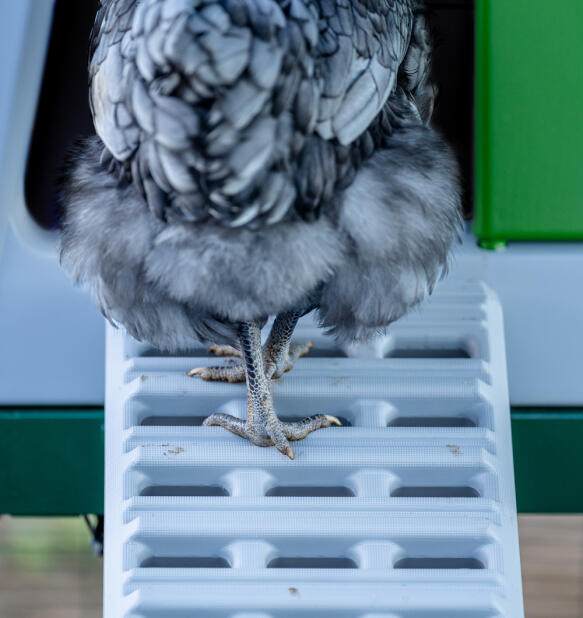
<point x="551" y="549"/>
<point x="47" y="569"/>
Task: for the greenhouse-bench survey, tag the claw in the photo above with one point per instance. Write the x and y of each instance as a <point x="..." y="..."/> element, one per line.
<point x="333" y="420"/>
<point x="289" y="452"/>
<point x="195" y="372"/>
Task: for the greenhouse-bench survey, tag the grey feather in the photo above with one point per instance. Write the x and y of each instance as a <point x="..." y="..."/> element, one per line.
<point x="254" y="151"/>
<point x="172" y="8"/>
<point x="142" y="106"/>
<point x="280" y="155"/>
<point x="242" y="103"/>
<point x="152" y="18"/>
<point x="364" y="99"/>
<point x="176" y="171"/>
<point x="246" y="215"/>
<point x="229" y="53"/>
<point x="182" y="112"/>
<point x="170" y="132"/>
<point x="265" y="63"/>
<point x="400" y="244"/>
<point x="360" y="103"/>
<point x="123" y="118"/>
<point x="144" y="61"/>
<point x="306" y="110"/>
<point x="181" y="47"/>
<point x="155" y="46"/>
<point x="184" y="275"/>
<point x="327" y="42"/>
<point x="222" y="139"/>
<point x="232" y="64"/>
<point x="271" y="191"/>
<point x="282" y="204"/>
<point x="238" y="11"/>
<point x="154" y="165"/>
<point x="139" y="19"/>
<point x="216" y="15"/>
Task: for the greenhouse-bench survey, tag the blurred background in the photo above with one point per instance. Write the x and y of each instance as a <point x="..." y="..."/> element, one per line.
<point x="48" y="570"/>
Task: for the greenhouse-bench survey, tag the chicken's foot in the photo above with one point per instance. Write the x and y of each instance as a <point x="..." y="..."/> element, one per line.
<point x="278" y="355"/>
<point x="225" y="350"/>
<point x="262" y="426"/>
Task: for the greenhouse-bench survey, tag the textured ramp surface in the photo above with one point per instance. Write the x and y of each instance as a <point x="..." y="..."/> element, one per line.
<point x="408" y="511"/>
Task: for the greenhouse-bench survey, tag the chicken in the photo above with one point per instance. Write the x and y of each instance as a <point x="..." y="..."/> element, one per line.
<point x="256" y="158"/>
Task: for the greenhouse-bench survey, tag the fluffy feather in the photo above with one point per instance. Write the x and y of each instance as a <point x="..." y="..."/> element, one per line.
<point x="377" y="189"/>
<point x="364" y="264"/>
<point x="397" y="221"/>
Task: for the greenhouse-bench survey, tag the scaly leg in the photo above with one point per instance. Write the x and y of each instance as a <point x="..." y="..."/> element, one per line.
<point x="278" y="356"/>
<point x="262" y="427"/>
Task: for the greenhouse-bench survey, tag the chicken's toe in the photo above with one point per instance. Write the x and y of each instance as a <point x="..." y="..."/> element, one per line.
<point x="220" y="373"/>
<point x="298" y="430"/>
<point x="225" y="350"/>
<point x="276" y="368"/>
<point x="232" y="423"/>
<point x="266" y="429"/>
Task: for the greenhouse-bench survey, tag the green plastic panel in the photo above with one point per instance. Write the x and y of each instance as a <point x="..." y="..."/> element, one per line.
<point x="548" y="460"/>
<point x="529" y="120"/>
<point x="51" y="461"/>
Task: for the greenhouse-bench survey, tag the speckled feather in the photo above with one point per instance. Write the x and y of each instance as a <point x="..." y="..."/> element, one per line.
<point x="254" y="157"/>
<point x="244" y="111"/>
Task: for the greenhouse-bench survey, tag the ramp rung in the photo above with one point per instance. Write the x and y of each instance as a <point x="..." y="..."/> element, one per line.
<point x="407" y="511"/>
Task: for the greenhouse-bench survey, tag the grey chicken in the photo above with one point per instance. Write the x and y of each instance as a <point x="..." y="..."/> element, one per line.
<point x="257" y="158"/>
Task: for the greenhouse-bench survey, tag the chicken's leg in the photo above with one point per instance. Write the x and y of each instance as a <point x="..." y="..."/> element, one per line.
<point x="262" y="427"/>
<point x="278" y="356"/>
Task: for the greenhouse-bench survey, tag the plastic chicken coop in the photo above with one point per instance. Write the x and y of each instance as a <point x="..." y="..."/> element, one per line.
<point x="411" y="506"/>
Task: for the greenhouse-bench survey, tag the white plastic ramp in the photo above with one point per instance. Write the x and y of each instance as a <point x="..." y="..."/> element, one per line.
<point x="408" y="511"/>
